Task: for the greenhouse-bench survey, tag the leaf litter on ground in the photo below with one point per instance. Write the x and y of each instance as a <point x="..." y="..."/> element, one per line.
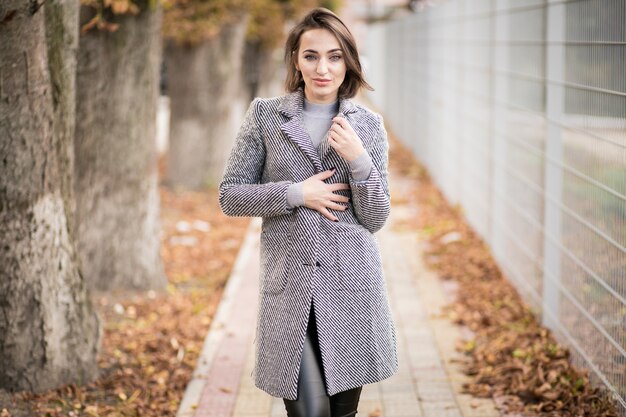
<point x="152" y="339"/>
<point x="511" y="357"/>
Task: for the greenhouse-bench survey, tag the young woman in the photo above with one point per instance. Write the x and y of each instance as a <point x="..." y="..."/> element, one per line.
<point x="313" y="165"/>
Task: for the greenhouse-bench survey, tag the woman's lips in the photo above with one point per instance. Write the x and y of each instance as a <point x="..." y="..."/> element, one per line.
<point x="321" y="82"/>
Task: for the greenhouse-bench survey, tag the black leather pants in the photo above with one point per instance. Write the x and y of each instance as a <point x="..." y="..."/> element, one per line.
<point x="312" y="398"/>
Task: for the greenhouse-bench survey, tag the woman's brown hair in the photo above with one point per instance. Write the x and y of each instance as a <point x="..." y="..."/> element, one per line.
<point x="322" y="18"/>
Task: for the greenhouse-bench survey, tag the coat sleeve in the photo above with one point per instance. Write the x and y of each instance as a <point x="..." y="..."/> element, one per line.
<point x="241" y="192"/>
<point x="370" y="197"/>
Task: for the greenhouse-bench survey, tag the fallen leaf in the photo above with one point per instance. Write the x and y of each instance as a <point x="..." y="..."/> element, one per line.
<point x="375" y="413"/>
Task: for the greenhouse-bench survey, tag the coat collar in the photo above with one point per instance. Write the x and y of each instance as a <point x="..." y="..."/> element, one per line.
<point x="293" y="103"/>
<point x="292" y="106"/>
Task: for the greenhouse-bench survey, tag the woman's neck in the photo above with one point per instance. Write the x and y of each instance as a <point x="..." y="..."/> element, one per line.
<point x="320" y="99"/>
<point x="320" y="109"/>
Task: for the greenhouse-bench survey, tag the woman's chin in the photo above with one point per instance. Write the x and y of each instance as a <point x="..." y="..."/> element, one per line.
<point x="322" y="94"/>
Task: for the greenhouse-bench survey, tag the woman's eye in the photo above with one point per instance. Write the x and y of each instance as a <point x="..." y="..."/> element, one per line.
<point x="335" y="57"/>
<point x="309" y="57"/>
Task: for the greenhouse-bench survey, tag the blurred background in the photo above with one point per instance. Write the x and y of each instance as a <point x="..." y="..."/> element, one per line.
<point x="517" y="109"/>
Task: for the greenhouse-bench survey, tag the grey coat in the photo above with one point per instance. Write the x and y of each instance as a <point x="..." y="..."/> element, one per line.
<point x="306" y="258"/>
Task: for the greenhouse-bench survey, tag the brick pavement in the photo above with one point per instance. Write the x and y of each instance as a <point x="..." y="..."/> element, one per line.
<point x="428" y="381"/>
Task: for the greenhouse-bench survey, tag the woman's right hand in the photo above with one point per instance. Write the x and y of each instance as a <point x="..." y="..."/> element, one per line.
<point x="320" y="196"/>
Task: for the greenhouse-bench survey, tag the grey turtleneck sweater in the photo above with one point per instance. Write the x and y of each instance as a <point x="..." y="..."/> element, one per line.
<point x="318" y="118"/>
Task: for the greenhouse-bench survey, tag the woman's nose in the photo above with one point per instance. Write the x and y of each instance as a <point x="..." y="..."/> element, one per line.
<point x="322" y="68"/>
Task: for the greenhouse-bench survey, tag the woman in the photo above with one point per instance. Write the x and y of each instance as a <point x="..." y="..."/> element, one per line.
<point x="313" y="165"/>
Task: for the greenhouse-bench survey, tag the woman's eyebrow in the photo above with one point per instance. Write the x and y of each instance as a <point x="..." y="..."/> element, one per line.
<point x="315" y="52"/>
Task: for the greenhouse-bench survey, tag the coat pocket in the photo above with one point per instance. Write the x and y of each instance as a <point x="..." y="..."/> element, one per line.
<point x="274" y="251"/>
<point x="358" y="261"/>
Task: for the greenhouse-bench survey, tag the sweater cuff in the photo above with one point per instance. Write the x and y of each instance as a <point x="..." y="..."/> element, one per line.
<point x="361" y="167"/>
<point x="294" y="195"/>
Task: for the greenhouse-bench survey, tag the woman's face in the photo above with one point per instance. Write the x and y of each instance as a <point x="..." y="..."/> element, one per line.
<point x="321" y="61"/>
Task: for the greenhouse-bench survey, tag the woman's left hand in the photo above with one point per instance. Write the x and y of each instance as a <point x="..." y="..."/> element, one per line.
<point x="344" y="140"/>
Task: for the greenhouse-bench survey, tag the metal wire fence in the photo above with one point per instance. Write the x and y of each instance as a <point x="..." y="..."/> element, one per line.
<point x="518" y="110"/>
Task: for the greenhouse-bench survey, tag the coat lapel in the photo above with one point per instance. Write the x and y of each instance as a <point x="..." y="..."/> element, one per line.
<point x="346" y="107"/>
<point x="292" y="107"/>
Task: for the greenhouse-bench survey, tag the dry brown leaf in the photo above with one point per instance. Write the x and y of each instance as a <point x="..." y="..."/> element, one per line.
<point x="512" y="356"/>
<point x="375" y="413"/>
<point x="149" y="351"/>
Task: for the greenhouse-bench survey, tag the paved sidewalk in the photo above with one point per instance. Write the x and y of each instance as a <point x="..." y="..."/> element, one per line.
<point x="428" y="381"/>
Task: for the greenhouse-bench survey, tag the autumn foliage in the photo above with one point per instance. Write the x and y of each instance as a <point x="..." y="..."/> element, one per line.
<point x="268" y="19"/>
<point x="106" y="10"/>
<point x="189" y="22"/>
<point x="511" y="357"/>
<point x="192" y="21"/>
<point x="152" y="340"/>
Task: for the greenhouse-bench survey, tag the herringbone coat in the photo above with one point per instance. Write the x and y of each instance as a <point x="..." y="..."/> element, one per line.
<point x="306" y="258"/>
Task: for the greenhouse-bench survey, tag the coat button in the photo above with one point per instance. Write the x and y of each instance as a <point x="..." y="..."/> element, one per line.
<point x="317" y="263"/>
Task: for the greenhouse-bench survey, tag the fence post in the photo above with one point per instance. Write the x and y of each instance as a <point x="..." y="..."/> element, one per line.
<point x="553" y="175"/>
<point x="499" y="122"/>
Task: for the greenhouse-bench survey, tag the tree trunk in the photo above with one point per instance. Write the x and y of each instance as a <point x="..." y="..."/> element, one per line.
<point x="263" y="71"/>
<point x="62" y="35"/>
<point x="49" y="332"/>
<point x="207" y="105"/>
<point x="116" y="158"/>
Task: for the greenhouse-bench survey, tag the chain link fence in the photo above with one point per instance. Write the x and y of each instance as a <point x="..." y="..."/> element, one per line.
<point x="518" y="110"/>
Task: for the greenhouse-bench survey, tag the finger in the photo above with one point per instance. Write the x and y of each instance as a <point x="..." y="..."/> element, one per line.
<point x="341" y="198"/>
<point x="335" y="206"/>
<point x="337" y="130"/>
<point x="325" y="174"/>
<point x="340" y="120"/>
<point x="343" y="136"/>
<point x="339" y="186"/>
<point x="343" y="123"/>
<point x="327" y="214"/>
<point x="337" y="140"/>
<point x="335" y="127"/>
